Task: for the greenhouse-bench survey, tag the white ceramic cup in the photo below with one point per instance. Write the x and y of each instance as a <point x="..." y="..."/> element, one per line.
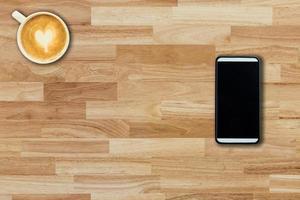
<point x="23" y="20"/>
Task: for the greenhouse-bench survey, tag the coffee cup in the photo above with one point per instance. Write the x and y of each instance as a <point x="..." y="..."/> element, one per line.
<point x="42" y="37"/>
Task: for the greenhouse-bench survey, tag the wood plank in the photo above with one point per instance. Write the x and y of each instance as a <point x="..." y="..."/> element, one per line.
<point x="66" y="9"/>
<point x="127" y="16"/>
<point x="290" y="109"/>
<point x="272" y="166"/>
<point x="276" y="196"/>
<point x="166" y="54"/>
<point x="70" y="71"/>
<point x="191" y="34"/>
<point x="187" y="109"/>
<point x="193" y="166"/>
<point x="210" y="196"/>
<point x="78" y="52"/>
<point x="65" y="146"/>
<point x="21" y="91"/>
<point x="97" y="67"/>
<point x="266" y="35"/>
<point x="52" y="197"/>
<point x="271" y="73"/>
<point x="272" y="92"/>
<point x="27" y="166"/>
<point x="172" y="128"/>
<point x="157" y="147"/>
<point x="276" y="3"/>
<point x="103" y="166"/>
<point x="63" y="128"/>
<point x="117" y="184"/>
<point x="42" y="110"/>
<point x="149" y="196"/>
<point x="89" y="71"/>
<point x="290" y="73"/>
<point x="270" y="148"/>
<point x="10" y="51"/>
<point x="270" y="110"/>
<point x="80" y="92"/>
<point x="24" y="71"/>
<point x="122" y="110"/>
<point x="298" y="147"/>
<point x="269" y="53"/>
<point x="289" y="92"/>
<point x="207" y="2"/>
<point x="285" y="183"/>
<point x="287" y="15"/>
<point x="163" y="64"/>
<point x="21" y="184"/>
<point x="290" y="127"/>
<point x="94" y="52"/>
<point x="6" y="154"/>
<point x="166" y="72"/>
<point x="10" y="146"/>
<point x="125" y="3"/>
<point x="8" y="35"/>
<point x="84" y="129"/>
<point x="5" y="197"/>
<point x="168" y="90"/>
<point x="223" y="15"/>
<point x="112" y="35"/>
<point x="234" y="183"/>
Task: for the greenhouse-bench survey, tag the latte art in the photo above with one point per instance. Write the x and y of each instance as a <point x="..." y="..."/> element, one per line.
<point x="43" y="37"/>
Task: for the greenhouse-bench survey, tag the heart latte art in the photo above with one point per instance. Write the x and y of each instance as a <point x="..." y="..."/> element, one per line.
<point x="43" y="37"/>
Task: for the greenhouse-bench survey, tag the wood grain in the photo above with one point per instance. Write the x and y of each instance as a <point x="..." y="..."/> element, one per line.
<point x="129" y="3"/>
<point x="266" y="35"/>
<point x="215" y="183"/>
<point x="65" y="8"/>
<point x="63" y="128"/>
<point x="128" y="112"/>
<point x="27" y="166"/>
<point x="6" y="197"/>
<point x="80" y="92"/>
<point x="26" y="91"/>
<point x="42" y="110"/>
<point x="130" y="15"/>
<point x="286" y="15"/>
<point x="52" y="197"/>
<point x="112" y="35"/>
<point x="41" y="185"/>
<point x="117" y="184"/>
<point x="285" y="183"/>
<point x="276" y="196"/>
<point x="291" y="73"/>
<point x="71" y="146"/>
<point x="103" y="166"/>
<point x="228" y="15"/>
<point x="209" y="196"/>
<point x="156" y="147"/>
<point x="146" y="196"/>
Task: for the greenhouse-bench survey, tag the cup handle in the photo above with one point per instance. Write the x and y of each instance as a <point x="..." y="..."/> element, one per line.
<point x="18" y="16"/>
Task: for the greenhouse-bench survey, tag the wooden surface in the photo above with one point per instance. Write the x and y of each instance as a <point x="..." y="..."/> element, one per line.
<point x="128" y="113"/>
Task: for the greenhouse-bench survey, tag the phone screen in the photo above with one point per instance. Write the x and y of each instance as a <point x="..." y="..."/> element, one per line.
<point x="237" y="100"/>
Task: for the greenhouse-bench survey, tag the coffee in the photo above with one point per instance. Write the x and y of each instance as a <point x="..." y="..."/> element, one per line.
<point x="44" y="37"/>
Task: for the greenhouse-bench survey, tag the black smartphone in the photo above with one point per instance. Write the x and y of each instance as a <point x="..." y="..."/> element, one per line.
<point x="237" y="116"/>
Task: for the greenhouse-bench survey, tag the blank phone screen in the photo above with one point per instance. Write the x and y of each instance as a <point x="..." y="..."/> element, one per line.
<point x="237" y="99"/>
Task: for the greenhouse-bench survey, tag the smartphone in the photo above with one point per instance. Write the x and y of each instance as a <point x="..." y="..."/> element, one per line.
<point x="237" y="103"/>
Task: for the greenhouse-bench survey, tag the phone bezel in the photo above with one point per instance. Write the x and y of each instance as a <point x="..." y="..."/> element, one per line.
<point x="236" y="59"/>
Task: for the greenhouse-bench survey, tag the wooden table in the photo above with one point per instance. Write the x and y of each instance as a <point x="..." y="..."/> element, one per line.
<point x="128" y="113"/>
